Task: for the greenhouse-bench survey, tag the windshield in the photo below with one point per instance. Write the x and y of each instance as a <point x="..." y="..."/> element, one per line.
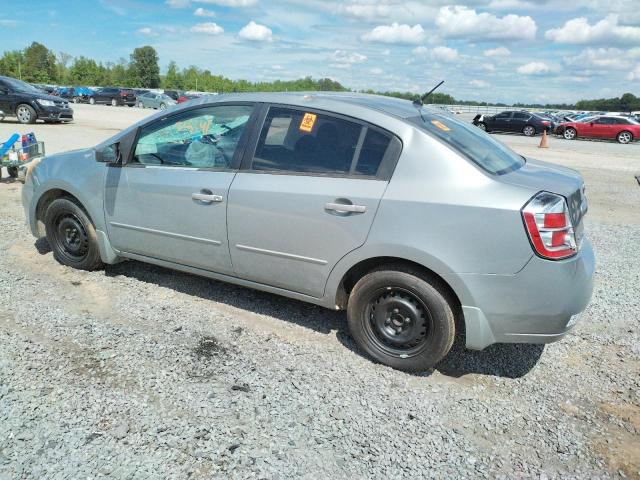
<point x="470" y="141"/>
<point x="20" y="86"/>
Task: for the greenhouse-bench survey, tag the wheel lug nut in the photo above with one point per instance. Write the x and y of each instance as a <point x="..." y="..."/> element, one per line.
<point x="387" y="321"/>
<point x="407" y="320"/>
<point x="395" y="310"/>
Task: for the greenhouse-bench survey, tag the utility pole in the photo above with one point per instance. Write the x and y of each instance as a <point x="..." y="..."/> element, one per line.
<point x="19" y="70"/>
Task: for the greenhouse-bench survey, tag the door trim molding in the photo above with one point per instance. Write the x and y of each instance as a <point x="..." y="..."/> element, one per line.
<point x="166" y="234"/>
<point x="274" y="253"/>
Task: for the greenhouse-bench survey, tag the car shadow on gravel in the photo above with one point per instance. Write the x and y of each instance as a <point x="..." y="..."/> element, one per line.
<point x="503" y="360"/>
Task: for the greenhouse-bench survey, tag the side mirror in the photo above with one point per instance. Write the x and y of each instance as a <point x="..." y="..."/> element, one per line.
<point x="110" y="154"/>
<point x="4" y="91"/>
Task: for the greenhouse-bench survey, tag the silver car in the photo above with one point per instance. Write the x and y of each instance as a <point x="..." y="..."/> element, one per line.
<point x="421" y="227"/>
<point x="159" y="101"/>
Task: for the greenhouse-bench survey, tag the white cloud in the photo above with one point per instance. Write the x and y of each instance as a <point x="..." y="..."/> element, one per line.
<point x="8" y="23"/>
<point x="255" y="32"/>
<point x="147" y="32"/>
<point x="386" y="10"/>
<point x="460" y="21"/>
<point x="201" y="12"/>
<point x="601" y="58"/>
<point x="497" y="52"/>
<point x="178" y="3"/>
<point x="342" y="56"/>
<point x="396" y="33"/>
<point x="606" y="31"/>
<point x="209" y="28"/>
<point x="438" y="54"/>
<point x="376" y="71"/>
<point x="478" y="83"/>
<point x="635" y="74"/>
<point x="230" y="3"/>
<point x="509" y="5"/>
<point x="534" y="68"/>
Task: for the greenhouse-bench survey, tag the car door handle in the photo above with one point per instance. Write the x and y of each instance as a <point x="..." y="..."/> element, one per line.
<point x="206" y="197"/>
<point x="345" y="208"/>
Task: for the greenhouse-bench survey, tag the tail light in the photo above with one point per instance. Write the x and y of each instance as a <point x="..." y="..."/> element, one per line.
<point x="546" y="122"/>
<point x="123" y="94"/>
<point x="546" y="218"/>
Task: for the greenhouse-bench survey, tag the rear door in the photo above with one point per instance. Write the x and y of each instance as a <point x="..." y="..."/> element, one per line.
<point x="306" y="196"/>
<point x="169" y="202"/>
<point x="602" y="127"/>
<point x="519" y="121"/>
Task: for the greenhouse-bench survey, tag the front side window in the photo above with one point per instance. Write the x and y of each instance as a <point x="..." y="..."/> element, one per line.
<point x="200" y="138"/>
<point x="470" y="141"/>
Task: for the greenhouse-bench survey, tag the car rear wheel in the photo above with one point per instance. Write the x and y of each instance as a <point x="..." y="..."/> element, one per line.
<point x="529" y="130"/>
<point x="26" y="114"/>
<point x="401" y="319"/>
<point x="140" y="105"/>
<point x="162" y="106"/>
<point x="12" y="171"/>
<point x="71" y="235"/>
<point x="624" y="137"/>
<point x="113" y="102"/>
<point x="569" y="133"/>
<point x="92" y="101"/>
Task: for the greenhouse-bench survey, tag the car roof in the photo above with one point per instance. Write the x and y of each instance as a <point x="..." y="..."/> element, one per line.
<point x="321" y="100"/>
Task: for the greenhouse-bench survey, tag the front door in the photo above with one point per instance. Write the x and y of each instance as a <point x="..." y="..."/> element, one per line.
<point x="307" y="198"/>
<point x="501" y="121"/>
<point x="170" y="200"/>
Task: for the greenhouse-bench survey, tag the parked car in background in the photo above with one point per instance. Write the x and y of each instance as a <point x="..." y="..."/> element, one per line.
<point x="48" y="89"/>
<point x="186" y="97"/>
<point x="155" y="100"/>
<point x="514" y="121"/>
<point x="175" y="94"/>
<point x="113" y="96"/>
<point x="327" y="198"/>
<point x="622" y="129"/>
<point x="28" y="103"/>
<point x="75" y="94"/>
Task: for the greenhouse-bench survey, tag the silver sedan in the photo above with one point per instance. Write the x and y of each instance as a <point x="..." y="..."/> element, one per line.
<point x="421" y="227"/>
<point x="159" y="101"/>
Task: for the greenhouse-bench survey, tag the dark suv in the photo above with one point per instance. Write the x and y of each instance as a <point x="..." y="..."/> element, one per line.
<point x="27" y="103"/>
<point x="514" y="121"/>
<point x="113" y="96"/>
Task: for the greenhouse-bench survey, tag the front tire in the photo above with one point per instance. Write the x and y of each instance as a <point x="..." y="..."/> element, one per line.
<point x="114" y="102"/>
<point x="570" y="133"/>
<point x="401" y="319"/>
<point x="140" y="105"/>
<point x="92" y="101"/>
<point x="71" y="235"/>
<point x="26" y="114"/>
<point x="482" y="126"/>
<point x="625" y="137"/>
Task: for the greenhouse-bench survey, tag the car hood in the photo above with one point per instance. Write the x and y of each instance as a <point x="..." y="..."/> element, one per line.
<point x="44" y="96"/>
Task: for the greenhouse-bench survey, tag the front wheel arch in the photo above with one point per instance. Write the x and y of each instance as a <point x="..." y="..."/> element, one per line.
<point x="47" y="199"/>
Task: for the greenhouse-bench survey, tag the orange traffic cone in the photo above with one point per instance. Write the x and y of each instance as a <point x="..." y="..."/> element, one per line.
<point x="544" y="141"/>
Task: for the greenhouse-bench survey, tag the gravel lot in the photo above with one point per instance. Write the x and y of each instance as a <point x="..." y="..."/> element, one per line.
<point x="141" y="372"/>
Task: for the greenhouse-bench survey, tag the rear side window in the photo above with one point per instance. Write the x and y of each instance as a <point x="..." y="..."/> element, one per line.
<point x="470" y="141"/>
<point x="521" y="116"/>
<point x="300" y="141"/>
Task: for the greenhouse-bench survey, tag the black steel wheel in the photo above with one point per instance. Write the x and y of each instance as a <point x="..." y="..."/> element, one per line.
<point x="12" y="171"/>
<point x="401" y="318"/>
<point x="71" y="235"/>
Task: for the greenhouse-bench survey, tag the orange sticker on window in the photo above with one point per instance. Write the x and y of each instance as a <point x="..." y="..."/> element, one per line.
<point x="308" y="121"/>
<point x="440" y="125"/>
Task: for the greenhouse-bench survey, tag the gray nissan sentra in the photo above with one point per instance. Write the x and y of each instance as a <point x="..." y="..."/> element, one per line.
<point x="419" y="226"/>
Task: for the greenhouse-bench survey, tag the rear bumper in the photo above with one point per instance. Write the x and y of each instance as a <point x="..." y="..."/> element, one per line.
<point x="536" y="305"/>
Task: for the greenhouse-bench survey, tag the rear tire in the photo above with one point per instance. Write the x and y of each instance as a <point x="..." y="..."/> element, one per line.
<point x="12" y="171"/>
<point x="92" y="101"/>
<point x="401" y="318"/>
<point x="71" y="235"/>
<point x="529" y="131"/>
<point x="162" y="106"/>
<point x="114" y="102"/>
<point x="624" y="137"/>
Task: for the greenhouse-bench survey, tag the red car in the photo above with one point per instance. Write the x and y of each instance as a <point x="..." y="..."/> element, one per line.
<point x="623" y="129"/>
<point x="186" y="97"/>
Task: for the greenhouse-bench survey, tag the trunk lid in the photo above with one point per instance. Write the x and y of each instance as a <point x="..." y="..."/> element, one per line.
<point x="539" y="176"/>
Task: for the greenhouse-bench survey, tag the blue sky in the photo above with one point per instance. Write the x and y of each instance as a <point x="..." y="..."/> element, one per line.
<point x="496" y="50"/>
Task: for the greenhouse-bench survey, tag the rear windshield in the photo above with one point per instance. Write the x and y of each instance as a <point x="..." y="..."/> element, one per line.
<point x="470" y="141"/>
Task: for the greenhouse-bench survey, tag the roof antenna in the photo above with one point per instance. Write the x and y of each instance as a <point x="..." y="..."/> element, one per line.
<point x="418" y="102"/>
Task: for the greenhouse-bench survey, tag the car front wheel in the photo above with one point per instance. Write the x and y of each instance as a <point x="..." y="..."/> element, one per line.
<point x="113" y="102"/>
<point x="569" y="133"/>
<point x="624" y="137"/>
<point x="482" y="126"/>
<point x="71" y="235"/>
<point x="92" y="101"/>
<point x="401" y="319"/>
<point x="140" y="105"/>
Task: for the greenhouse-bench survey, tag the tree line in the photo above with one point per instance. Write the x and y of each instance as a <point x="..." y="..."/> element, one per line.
<point x="37" y="64"/>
